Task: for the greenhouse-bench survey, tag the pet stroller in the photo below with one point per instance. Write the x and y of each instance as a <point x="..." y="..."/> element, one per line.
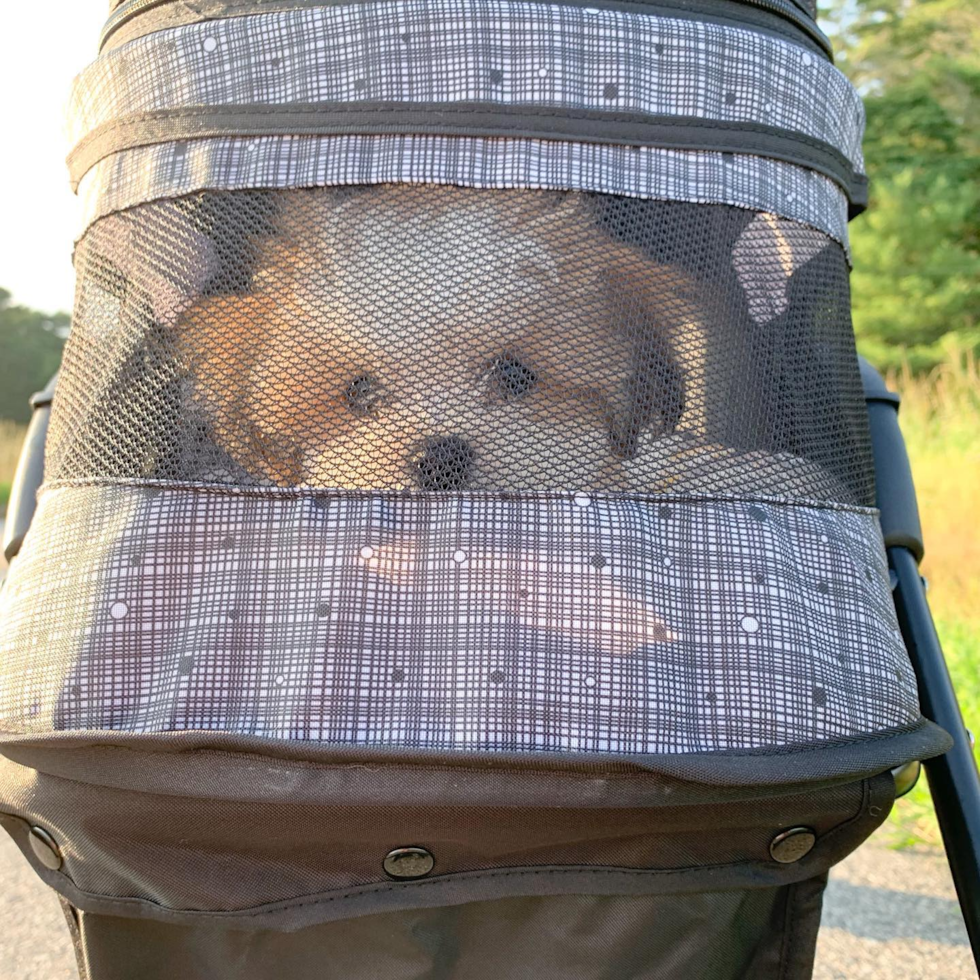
<point x="457" y="553"/>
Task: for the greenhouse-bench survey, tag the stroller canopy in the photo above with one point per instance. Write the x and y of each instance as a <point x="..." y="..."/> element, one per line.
<point x="472" y="383"/>
<point x="515" y="443"/>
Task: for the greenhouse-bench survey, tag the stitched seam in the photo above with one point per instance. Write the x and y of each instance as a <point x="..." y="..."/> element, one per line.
<point x="516" y="764"/>
<point x="788" y="928"/>
<point x="124" y="902"/>
<point x="116" y="132"/>
<point x="505" y="109"/>
<point x="291" y="493"/>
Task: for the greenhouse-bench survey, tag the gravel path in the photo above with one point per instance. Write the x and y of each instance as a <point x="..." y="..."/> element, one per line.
<point x="888" y="916"/>
<point x="34" y="942"/>
<point x="892" y="915"/>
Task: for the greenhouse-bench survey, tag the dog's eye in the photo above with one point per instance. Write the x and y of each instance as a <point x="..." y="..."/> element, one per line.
<point x="510" y="377"/>
<point x="364" y="395"/>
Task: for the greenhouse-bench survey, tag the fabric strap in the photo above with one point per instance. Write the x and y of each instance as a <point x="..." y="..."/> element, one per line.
<point x="479" y="69"/>
<point x="472" y="119"/>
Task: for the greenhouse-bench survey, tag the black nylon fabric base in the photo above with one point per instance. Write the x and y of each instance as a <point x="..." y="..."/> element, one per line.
<point x="278" y="873"/>
<point x="725" y="935"/>
<point x="267" y="848"/>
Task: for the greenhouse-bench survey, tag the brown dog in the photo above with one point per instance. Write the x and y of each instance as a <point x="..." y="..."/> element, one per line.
<point x="441" y="338"/>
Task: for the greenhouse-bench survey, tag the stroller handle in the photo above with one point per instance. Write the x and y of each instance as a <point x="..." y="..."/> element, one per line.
<point x="899" y="510"/>
<point x="953" y="778"/>
<point x="29" y="475"/>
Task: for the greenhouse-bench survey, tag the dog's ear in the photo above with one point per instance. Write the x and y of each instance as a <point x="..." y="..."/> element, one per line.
<point x="650" y="309"/>
<point x="654" y="394"/>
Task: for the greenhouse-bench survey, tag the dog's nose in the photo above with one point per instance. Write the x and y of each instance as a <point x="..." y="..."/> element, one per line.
<point x="444" y="463"/>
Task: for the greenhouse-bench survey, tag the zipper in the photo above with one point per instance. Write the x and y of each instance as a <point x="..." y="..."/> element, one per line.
<point x="787" y="10"/>
<point x="124" y="13"/>
<point x="480" y="119"/>
<point x="794" y="13"/>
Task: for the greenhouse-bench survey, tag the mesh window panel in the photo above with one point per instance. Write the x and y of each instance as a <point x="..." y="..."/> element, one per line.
<point x="402" y="337"/>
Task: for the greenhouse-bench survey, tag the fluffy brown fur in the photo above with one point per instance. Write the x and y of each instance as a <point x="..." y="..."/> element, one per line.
<point x="444" y="339"/>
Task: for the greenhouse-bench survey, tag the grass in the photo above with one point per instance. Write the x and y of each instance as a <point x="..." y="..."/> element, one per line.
<point x="941" y="420"/>
<point x="11" y="437"/>
<point x="940" y="417"/>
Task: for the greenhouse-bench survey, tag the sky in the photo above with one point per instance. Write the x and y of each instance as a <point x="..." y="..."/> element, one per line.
<point x="38" y="212"/>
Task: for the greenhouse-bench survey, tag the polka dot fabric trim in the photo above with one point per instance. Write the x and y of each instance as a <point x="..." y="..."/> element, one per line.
<point x="564" y="622"/>
<point x="150" y="173"/>
<point x="511" y="53"/>
<point x="506" y="53"/>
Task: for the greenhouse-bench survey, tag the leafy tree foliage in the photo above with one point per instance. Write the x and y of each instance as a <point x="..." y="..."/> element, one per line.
<point x="916" y="281"/>
<point x="30" y="352"/>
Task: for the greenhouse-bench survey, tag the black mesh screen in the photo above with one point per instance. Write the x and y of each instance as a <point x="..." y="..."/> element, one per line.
<point x="447" y="339"/>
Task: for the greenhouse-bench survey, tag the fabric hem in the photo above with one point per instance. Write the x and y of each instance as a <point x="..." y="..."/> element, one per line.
<point x="293" y="493"/>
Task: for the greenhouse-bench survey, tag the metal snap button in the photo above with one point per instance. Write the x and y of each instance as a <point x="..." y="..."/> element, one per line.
<point x="906" y="777"/>
<point x="792" y="844"/>
<point x="408" y="862"/>
<point x="45" y="849"/>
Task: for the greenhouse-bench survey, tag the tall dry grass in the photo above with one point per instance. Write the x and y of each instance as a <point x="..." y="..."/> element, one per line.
<point x="11" y="438"/>
<point x="940" y="418"/>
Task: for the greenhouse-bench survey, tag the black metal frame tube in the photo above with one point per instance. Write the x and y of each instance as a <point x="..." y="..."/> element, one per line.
<point x="30" y="473"/>
<point x="953" y="778"/>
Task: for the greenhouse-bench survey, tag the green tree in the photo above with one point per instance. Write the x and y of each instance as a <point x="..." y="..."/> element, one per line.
<point x="30" y="352"/>
<point x="916" y="282"/>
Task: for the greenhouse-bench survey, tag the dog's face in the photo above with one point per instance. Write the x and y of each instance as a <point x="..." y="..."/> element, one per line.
<point x="462" y="345"/>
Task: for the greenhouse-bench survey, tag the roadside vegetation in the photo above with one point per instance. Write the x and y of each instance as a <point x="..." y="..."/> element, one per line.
<point x="11" y="437"/>
<point x="940" y="418"/>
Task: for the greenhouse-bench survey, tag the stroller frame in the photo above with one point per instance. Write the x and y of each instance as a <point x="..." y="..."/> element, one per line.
<point x="953" y="780"/>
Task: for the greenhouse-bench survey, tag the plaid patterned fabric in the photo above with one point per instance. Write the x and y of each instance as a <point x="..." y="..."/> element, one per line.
<point x="757" y="183"/>
<point x="557" y="622"/>
<point x="477" y="50"/>
<point x="498" y="382"/>
<point x="449" y="50"/>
